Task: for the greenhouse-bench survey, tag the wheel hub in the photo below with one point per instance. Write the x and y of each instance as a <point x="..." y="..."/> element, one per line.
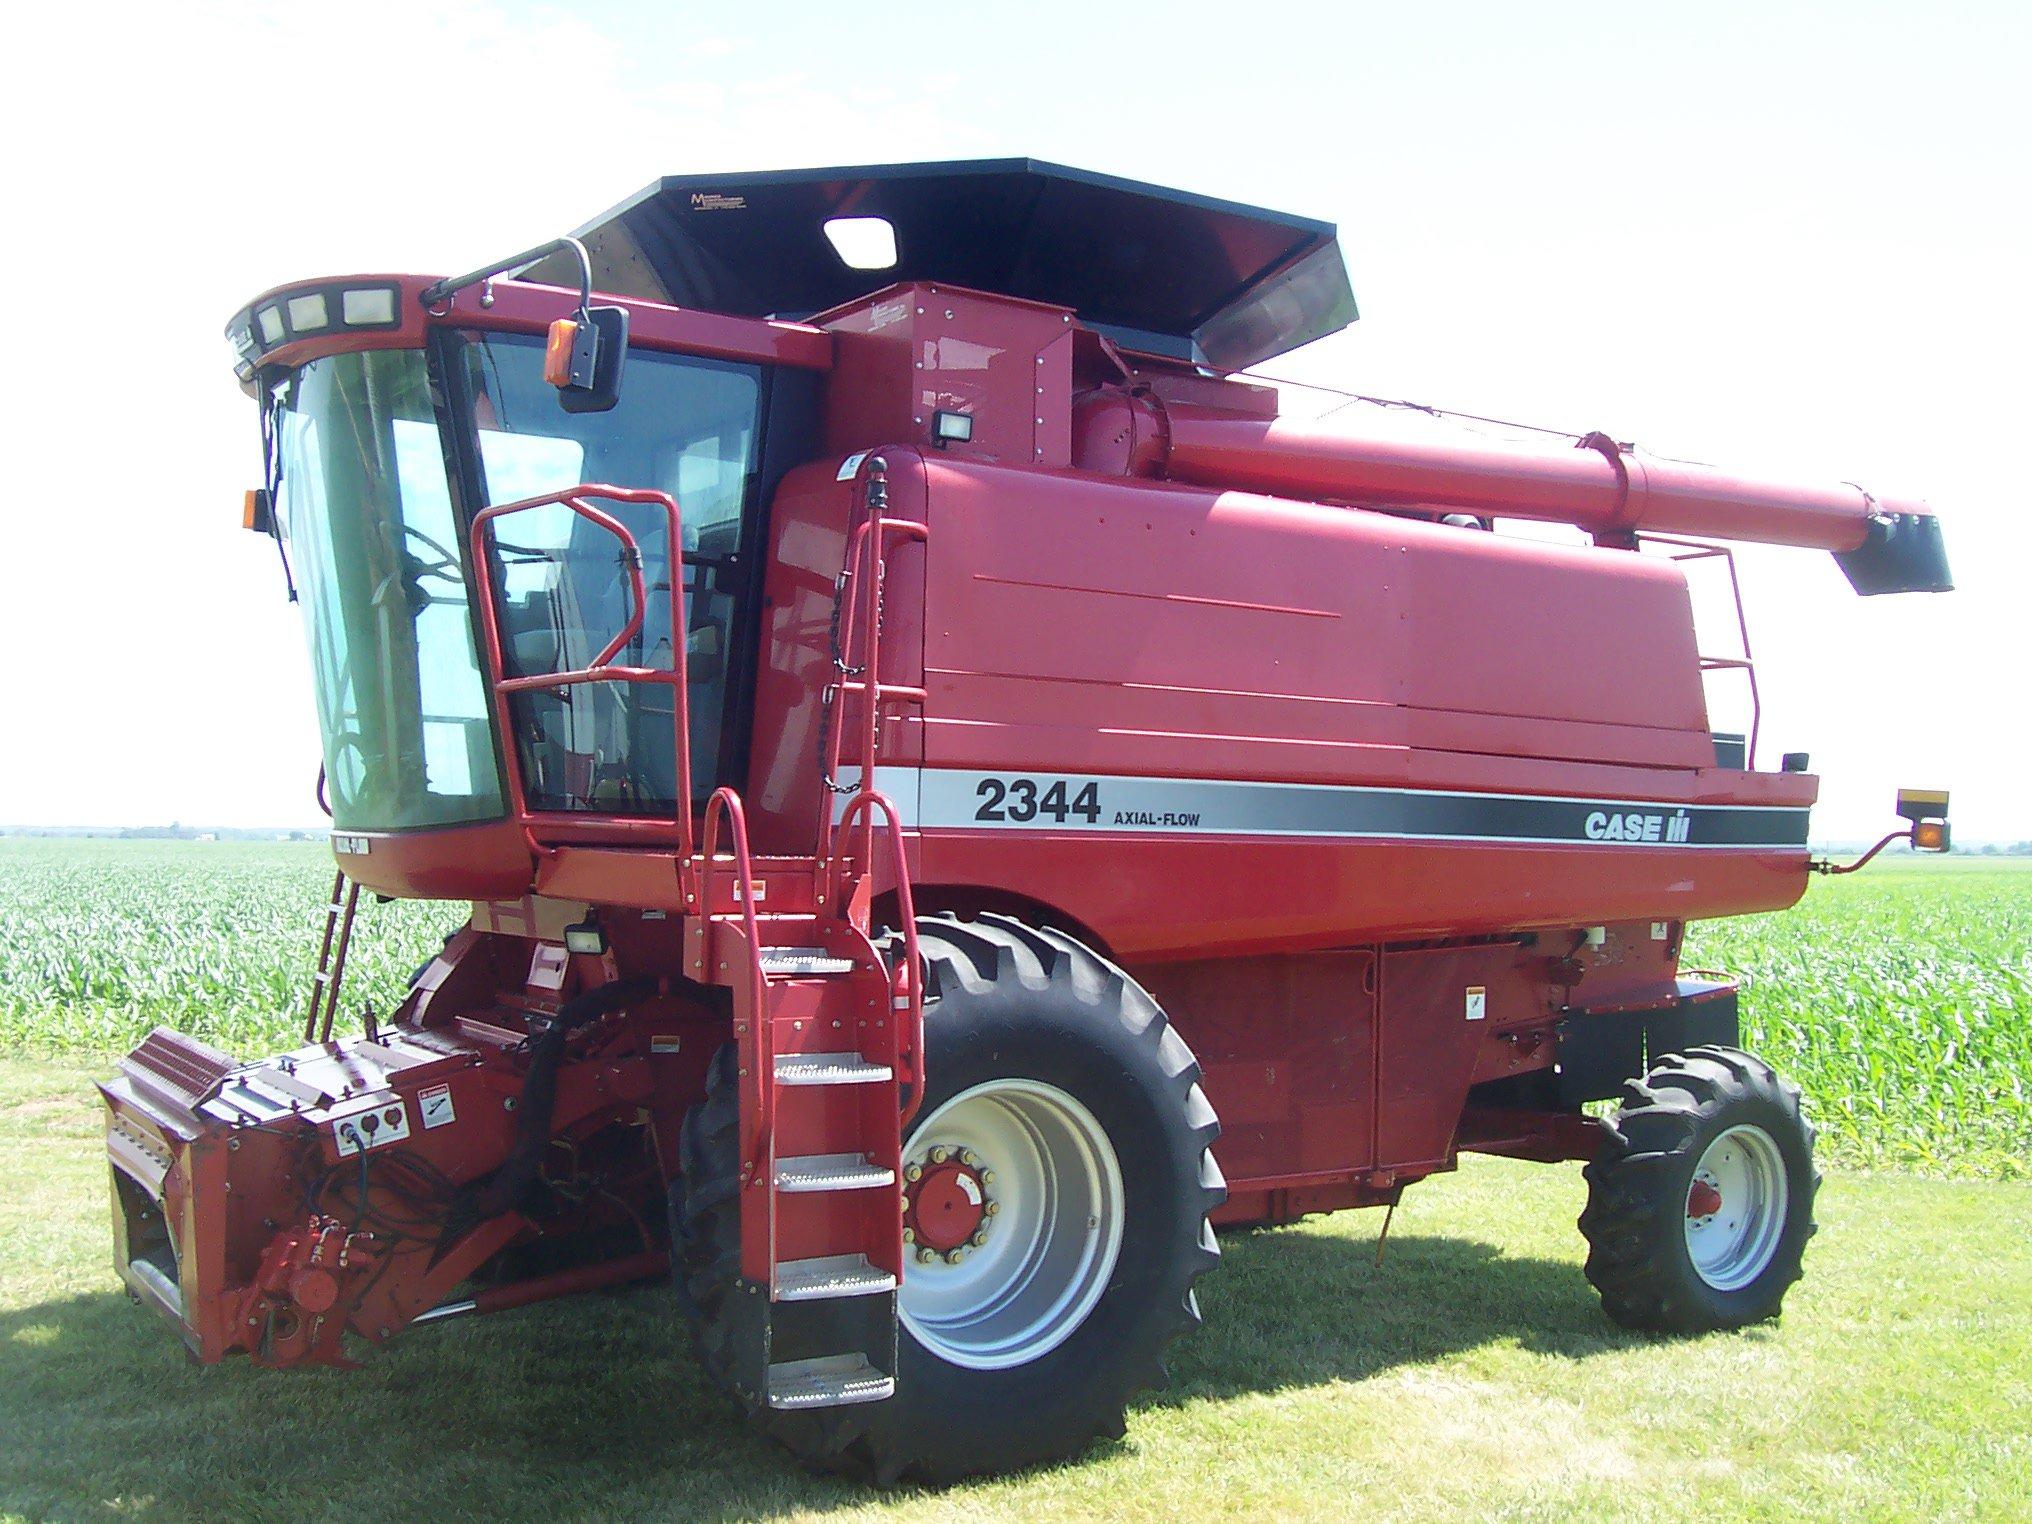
<point x="946" y="1202"/>
<point x="1735" y="1207"/>
<point x="1703" y="1200"/>
<point x="1014" y="1210"/>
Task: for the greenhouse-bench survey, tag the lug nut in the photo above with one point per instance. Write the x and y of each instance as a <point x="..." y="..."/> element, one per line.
<point x="940" y="1154"/>
<point x="913" y="1172"/>
<point x="925" y="1257"/>
<point x="987" y="1177"/>
<point x="954" y="1256"/>
<point x="970" y="1159"/>
<point x="909" y="1235"/>
<point x="979" y="1238"/>
<point x="992" y="1208"/>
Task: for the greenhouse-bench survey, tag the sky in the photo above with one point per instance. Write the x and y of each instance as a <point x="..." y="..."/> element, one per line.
<point x="1783" y="237"/>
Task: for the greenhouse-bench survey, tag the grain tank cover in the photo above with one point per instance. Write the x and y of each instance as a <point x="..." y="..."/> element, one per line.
<point x="1156" y="270"/>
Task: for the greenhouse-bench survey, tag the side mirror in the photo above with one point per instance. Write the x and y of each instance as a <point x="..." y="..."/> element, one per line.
<point x="584" y="356"/>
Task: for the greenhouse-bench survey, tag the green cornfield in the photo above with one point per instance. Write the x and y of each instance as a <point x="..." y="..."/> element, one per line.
<point x="1900" y="998"/>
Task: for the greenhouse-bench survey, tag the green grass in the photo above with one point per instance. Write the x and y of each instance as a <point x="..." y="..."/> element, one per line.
<point x="1471" y="1376"/>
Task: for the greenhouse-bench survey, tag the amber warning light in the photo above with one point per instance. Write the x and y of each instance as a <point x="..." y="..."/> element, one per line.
<point x="1927" y="810"/>
<point x="582" y="358"/>
<point x="257" y="512"/>
<point x="558" y="352"/>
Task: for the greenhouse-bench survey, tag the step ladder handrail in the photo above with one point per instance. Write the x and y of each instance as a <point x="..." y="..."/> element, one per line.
<point x="600" y="670"/>
<point x="906" y="980"/>
<point x="863" y="571"/>
<point x="725" y="804"/>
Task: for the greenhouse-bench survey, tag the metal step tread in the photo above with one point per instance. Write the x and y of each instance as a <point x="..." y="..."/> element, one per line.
<point x="828" y="1069"/>
<point x="828" y="1382"/>
<point x="795" y="961"/>
<point x="830" y="1275"/>
<point x="831" y="1172"/>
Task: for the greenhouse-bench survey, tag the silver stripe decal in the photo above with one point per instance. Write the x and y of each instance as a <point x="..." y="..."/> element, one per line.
<point x="938" y="798"/>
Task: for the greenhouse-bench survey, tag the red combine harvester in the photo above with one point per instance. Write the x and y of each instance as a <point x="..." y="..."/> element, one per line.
<point x="929" y="751"/>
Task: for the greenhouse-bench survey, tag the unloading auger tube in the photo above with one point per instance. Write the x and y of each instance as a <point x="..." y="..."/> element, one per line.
<point x="1601" y="486"/>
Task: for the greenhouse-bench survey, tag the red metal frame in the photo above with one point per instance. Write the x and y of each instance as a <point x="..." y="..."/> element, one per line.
<point x="864" y="574"/>
<point x="1700" y="550"/>
<point x="1824" y="865"/>
<point x="512" y="306"/>
<point x="906" y="993"/>
<point x="754" y="1036"/>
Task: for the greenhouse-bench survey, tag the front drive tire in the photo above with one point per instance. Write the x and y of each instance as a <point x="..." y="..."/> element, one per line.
<point x="1058" y="1089"/>
<point x="1700" y="1202"/>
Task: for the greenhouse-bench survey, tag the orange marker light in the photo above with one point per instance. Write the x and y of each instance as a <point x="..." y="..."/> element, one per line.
<point x="1930" y="836"/>
<point x="250" y="509"/>
<point x="557" y="353"/>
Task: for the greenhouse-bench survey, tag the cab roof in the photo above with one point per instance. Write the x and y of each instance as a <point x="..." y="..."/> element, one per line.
<point x="1158" y="271"/>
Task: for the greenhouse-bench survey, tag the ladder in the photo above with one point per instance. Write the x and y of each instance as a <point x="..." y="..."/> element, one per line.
<point x="340" y="907"/>
<point x="828" y="1031"/>
<point x="827" y="1035"/>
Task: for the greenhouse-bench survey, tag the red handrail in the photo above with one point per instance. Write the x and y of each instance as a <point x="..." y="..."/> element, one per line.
<point x="1701" y="550"/>
<point x="673" y="677"/>
<point x="761" y="1150"/>
<point x="865" y="567"/>
<point x="906" y="993"/>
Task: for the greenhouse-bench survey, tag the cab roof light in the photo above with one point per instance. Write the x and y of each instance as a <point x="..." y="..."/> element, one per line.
<point x="368" y="307"/>
<point x="270" y="321"/>
<point x="863" y="243"/>
<point x="309" y="313"/>
<point x="245" y="350"/>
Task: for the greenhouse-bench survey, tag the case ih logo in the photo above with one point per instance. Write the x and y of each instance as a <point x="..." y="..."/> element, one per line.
<point x="1635" y="825"/>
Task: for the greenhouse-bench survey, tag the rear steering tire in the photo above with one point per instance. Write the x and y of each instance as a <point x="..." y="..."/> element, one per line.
<point x="1057" y="1092"/>
<point x="1700" y="1202"/>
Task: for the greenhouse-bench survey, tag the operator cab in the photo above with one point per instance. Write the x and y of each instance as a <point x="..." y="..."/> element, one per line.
<point x="370" y="453"/>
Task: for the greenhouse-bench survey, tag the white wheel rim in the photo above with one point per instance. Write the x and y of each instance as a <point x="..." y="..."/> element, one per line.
<point x="1735" y="1208"/>
<point x="1047" y="1253"/>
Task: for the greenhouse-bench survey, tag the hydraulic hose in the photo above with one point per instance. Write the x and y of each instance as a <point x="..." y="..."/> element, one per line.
<point x="508" y="1187"/>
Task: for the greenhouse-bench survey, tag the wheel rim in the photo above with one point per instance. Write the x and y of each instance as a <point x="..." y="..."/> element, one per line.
<point x="1026" y="1275"/>
<point x="1735" y="1208"/>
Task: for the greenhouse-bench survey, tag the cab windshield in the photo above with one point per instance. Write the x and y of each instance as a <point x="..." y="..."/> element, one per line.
<point x="373" y="493"/>
<point x="364" y="507"/>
